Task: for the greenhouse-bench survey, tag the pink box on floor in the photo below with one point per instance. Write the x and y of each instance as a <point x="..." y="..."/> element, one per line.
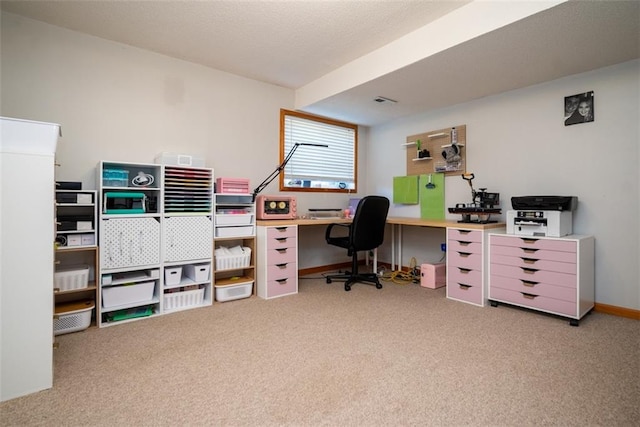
<point x="433" y="275"/>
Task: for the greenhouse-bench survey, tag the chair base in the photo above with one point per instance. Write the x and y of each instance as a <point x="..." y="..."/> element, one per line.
<point x="369" y="278"/>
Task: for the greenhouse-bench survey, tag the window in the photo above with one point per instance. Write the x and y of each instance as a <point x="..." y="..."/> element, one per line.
<point x="317" y="168"/>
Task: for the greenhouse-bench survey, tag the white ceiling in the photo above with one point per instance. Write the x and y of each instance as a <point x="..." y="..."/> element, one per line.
<point x="300" y="44"/>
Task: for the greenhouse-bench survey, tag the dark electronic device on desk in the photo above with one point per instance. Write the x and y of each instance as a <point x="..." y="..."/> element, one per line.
<point x="482" y="205"/>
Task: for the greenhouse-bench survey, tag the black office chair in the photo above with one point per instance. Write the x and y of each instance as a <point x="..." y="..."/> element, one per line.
<point x="365" y="233"/>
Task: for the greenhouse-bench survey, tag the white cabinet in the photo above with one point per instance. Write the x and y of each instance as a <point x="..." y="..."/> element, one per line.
<point x="129" y="242"/>
<point x="27" y="152"/>
<point x="553" y="275"/>
<point x="277" y="273"/>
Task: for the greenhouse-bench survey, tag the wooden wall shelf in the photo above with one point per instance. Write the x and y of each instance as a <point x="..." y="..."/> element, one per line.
<point x="436" y="141"/>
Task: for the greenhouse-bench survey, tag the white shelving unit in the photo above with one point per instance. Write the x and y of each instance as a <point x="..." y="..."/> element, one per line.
<point x="188" y="244"/>
<point x="130" y="242"/>
<point x="234" y="226"/>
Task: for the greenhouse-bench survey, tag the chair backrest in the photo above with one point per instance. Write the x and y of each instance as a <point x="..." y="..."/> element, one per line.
<point x="367" y="229"/>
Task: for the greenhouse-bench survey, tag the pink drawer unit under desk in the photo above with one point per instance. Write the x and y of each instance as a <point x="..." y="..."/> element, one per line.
<point x="534" y="253"/>
<point x="532" y="287"/>
<point x="551" y="277"/>
<point x="539" y="264"/>
<point x="531" y="300"/>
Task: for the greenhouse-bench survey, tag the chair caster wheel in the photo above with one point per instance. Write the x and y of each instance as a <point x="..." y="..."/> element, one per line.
<point x="328" y="280"/>
<point x="347" y="288"/>
<point x="378" y="286"/>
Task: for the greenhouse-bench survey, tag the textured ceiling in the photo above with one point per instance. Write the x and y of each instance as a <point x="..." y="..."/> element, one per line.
<point x="298" y="43"/>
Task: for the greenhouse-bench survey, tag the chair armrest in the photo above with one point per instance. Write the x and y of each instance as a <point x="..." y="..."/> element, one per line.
<point x="327" y="234"/>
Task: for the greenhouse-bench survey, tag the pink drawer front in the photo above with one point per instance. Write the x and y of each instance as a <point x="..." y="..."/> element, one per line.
<point x="284" y="270"/>
<point x="282" y="242"/>
<point x="281" y="256"/>
<point x="283" y="286"/>
<point x="465" y="291"/>
<point x="465" y="259"/>
<point x="533" y="253"/>
<point x="550" y="277"/>
<point x="540" y="264"/>
<point x="528" y="286"/>
<point x="464" y="235"/>
<point x="532" y="242"/>
<point x="534" y="301"/>
<point x="464" y="275"/>
<point x="276" y="232"/>
<point x="464" y="246"/>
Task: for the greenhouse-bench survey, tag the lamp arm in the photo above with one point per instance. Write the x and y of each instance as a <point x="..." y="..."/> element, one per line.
<point x="276" y="172"/>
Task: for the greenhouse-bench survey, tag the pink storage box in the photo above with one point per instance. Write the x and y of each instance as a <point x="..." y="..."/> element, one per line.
<point x="232" y="185"/>
<point x="433" y="276"/>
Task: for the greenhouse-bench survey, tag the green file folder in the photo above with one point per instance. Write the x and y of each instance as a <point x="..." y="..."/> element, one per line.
<point x="405" y="190"/>
<point x="432" y="199"/>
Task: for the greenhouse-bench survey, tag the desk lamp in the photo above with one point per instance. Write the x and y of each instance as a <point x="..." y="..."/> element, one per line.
<point x="280" y="168"/>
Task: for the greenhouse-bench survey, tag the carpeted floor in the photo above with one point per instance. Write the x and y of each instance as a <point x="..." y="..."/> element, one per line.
<point x="400" y="356"/>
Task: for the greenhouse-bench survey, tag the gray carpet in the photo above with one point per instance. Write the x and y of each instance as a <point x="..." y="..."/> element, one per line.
<point x="400" y="356"/>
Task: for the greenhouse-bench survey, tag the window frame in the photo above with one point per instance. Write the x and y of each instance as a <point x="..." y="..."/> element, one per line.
<point x="283" y="114"/>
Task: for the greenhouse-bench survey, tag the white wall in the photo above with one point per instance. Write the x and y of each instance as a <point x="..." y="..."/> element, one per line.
<point x="518" y="145"/>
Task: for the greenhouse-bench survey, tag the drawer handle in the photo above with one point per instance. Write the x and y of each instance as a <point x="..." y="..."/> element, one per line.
<point x="282" y="250"/>
<point x="282" y="281"/>
<point x="283" y="265"/>
<point x="464" y="270"/>
<point x="530" y="250"/>
<point x="281" y="239"/>
<point x="528" y="241"/>
<point x="528" y="283"/>
<point x="464" y="231"/>
<point x="464" y="243"/>
<point x="528" y="296"/>
<point x="529" y="260"/>
<point x="464" y="254"/>
<point x="464" y="287"/>
<point x="281" y="228"/>
<point x="529" y="270"/>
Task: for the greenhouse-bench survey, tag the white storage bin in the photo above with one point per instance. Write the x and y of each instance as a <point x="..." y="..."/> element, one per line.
<point x="127" y="294"/>
<point x="172" y="275"/>
<point x="241" y="231"/>
<point x="183" y="300"/>
<point x="230" y="262"/>
<point x="71" y="277"/>
<point x="72" y="317"/>
<point x="197" y="272"/>
<point x="233" y="292"/>
<point x="234" y="219"/>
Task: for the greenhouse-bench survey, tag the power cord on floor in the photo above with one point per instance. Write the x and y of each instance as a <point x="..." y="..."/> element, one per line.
<point x="403" y="277"/>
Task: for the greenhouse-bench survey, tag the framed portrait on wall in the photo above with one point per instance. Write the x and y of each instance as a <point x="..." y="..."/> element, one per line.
<point x="578" y="108"/>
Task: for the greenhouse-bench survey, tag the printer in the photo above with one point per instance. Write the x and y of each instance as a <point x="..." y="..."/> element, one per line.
<point x="550" y="216"/>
